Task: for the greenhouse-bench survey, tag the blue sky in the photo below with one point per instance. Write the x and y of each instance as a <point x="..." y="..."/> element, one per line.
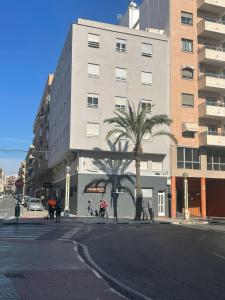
<point x="32" y="35"/>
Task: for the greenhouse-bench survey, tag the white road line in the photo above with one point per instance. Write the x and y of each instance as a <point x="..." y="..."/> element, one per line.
<point x="96" y="274"/>
<point x="218" y="255"/>
<point x="80" y="258"/>
<point x="117" y="293"/>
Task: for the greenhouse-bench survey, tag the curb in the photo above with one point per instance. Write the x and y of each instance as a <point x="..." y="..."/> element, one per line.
<point x="114" y="283"/>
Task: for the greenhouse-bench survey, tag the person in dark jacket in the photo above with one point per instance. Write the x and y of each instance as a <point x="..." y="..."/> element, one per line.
<point x="58" y="210"/>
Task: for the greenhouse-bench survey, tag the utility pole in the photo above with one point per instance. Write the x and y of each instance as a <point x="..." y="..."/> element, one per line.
<point x="67" y="192"/>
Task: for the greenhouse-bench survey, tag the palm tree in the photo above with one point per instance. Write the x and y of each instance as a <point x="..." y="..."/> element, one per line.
<point x="115" y="175"/>
<point x="135" y="125"/>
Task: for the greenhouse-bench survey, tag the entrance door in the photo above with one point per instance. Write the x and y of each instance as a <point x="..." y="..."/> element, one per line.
<point x="161" y="204"/>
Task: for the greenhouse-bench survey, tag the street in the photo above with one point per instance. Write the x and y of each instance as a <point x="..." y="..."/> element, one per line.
<point x="148" y="261"/>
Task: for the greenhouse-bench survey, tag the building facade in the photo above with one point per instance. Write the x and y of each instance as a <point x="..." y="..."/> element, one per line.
<point x="196" y="31"/>
<point x="9" y="185"/>
<point x="36" y="164"/>
<point x="101" y="67"/>
<point x="2" y="180"/>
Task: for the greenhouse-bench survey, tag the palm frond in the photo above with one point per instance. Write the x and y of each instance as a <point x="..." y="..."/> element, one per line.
<point x="165" y="133"/>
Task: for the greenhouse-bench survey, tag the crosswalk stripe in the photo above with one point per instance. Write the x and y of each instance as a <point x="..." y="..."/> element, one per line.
<point x="23" y="233"/>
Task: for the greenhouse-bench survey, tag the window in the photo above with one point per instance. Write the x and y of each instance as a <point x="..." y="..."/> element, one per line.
<point x="186" y="18"/>
<point x="157" y="166"/>
<point x="121" y="45"/>
<point x="146" y="78"/>
<point x="93" y="40"/>
<point x="187" y="73"/>
<point x="144" y="166"/>
<point x="147" y="50"/>
<point x="187" y="100"/>
<point x="188" y="158"/>
<point x="212" y="129"/>
<point x="92" y="129"/>
<point x="146" y="104"/>
<point x="93" y="70"/>
<point x="92" y="100"/>
<point x="187" y="45"/>
<point x="216" y="161"/>
<point x="121" y="74"/>
<point x="120" y="103"/>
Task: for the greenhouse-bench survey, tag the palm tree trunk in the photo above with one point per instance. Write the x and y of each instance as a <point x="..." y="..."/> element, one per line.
<point x="115" y="197"/>
<point x="138" y="189"/>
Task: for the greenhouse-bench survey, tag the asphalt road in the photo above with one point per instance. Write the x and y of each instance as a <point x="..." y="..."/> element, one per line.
<point x="161" y="261"/>
<point x="38" y="261"/>
<point x="7" y="207"/>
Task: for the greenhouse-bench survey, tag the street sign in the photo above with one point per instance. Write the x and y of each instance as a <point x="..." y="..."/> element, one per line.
<point x="19" y="183"/>
<point x="95" y="189"/>
<point x="47" y="185"/>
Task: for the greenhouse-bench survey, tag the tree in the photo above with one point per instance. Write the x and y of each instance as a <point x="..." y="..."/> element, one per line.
<point x="115" y="174"/>
<point x="135" y="125"/>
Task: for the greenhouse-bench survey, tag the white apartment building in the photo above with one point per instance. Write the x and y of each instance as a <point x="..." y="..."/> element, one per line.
<point x="101" y="67"/>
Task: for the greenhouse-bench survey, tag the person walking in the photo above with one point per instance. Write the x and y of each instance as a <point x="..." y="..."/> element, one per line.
<point x="101" y="209"/>
<point x="58" y="210"/>
<point x="105" y="205"/>
<point x="150" y="204"/>
<point x="51" y="207"/>
<point x="90" y="208"/>
<point x="145" y="207"/>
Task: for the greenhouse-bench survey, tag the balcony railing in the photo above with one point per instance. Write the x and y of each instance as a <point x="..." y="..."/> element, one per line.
<point x="212" y="139"/>
<point x="211" y="28"/>
<point x="213" y="75"/>
<point x="218" y="21"/>
<point x="210" y="47"/>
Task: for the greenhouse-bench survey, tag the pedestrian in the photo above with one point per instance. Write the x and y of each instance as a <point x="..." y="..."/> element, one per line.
<point x="105" y="206"/>
<point x="101" y="209"/>
<point x="51" y="207"/>
<point x="145" y="208"/>
<point x="43" y="200"/>
<point x="150" y="204"/>
<point x="90" y="208"/>
<point x="58" y="210"/>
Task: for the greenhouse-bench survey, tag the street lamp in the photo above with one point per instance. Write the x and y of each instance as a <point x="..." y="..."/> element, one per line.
<point x="186" y="211"/>
<point x="67" y="192"/>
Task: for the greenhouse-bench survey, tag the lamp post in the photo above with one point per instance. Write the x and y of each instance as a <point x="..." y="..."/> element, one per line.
<point x="67" y="192"/>
<point x="186" y="210"/>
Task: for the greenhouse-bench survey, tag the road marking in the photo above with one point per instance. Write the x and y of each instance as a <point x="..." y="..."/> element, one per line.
<point x="218" y="255"/>
<point x="117" y="293"/>
<point x="71" y="233"/>
<point x="96" y="274"/>
<point x="80" y="258"/>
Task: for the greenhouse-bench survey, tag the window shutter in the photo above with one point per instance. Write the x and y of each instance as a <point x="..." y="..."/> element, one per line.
<point x="92" y="129"/>
<point x="146" y="78"/>
<point x="187" y="100"/>
<point x="93" y="40"/>
<point x="121" y="41"/>
<point x="187" y="73"/>
<point x="120" y="103"/>
<point x="121" y="73"/>
<point x="146" y="49"/>
<point x="93" y="70"/>
<point x="157" y="166"/>
<point x="147" y="193"/>
<point x="186" y="15"/>
<point x="144" y="166"/>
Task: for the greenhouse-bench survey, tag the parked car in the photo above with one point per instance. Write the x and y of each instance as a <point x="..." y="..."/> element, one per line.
<point x="34" y="204"/>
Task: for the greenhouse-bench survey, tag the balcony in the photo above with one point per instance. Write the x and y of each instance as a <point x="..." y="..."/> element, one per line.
<point x="211" y="82"/>
<point x="212" y="139"/>
<point x="211" y="55"/>
<point x="212" y="6"/>
<point x="211" y="28"/>
<point x="211" y="110"/>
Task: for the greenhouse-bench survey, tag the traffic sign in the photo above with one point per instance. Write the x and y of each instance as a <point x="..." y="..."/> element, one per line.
<point x="19" y="183"/>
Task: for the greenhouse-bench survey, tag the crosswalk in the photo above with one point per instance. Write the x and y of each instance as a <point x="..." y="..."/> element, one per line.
<point x="20" y="232"/>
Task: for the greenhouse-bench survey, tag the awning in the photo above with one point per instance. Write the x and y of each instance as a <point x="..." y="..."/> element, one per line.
<point x="191" y="127"/>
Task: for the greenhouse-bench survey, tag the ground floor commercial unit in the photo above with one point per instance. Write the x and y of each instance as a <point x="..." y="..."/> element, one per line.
<point x="206" y="197"/>
<point x="154" y="188"/>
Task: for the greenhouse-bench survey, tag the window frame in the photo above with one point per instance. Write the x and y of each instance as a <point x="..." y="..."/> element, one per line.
<point x="147" y="54"/>
<point x="92" y="123"/>
<point x="146" y="102"/>
<point x="93" y="44"/>
<point x="119" y="45"/>
<point x="190" y="164"/>
<point x="183" y="18"/>
<point x="92" y="96"/>
<point x="186" y="105"/>
<point x="120" y="107"/>
<point x="145" y="82"/>
<point x="90" y="75"/>
<point x="187" y="77"/>
<point x="186" y="49"/>
<point x="120" y="78"/>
